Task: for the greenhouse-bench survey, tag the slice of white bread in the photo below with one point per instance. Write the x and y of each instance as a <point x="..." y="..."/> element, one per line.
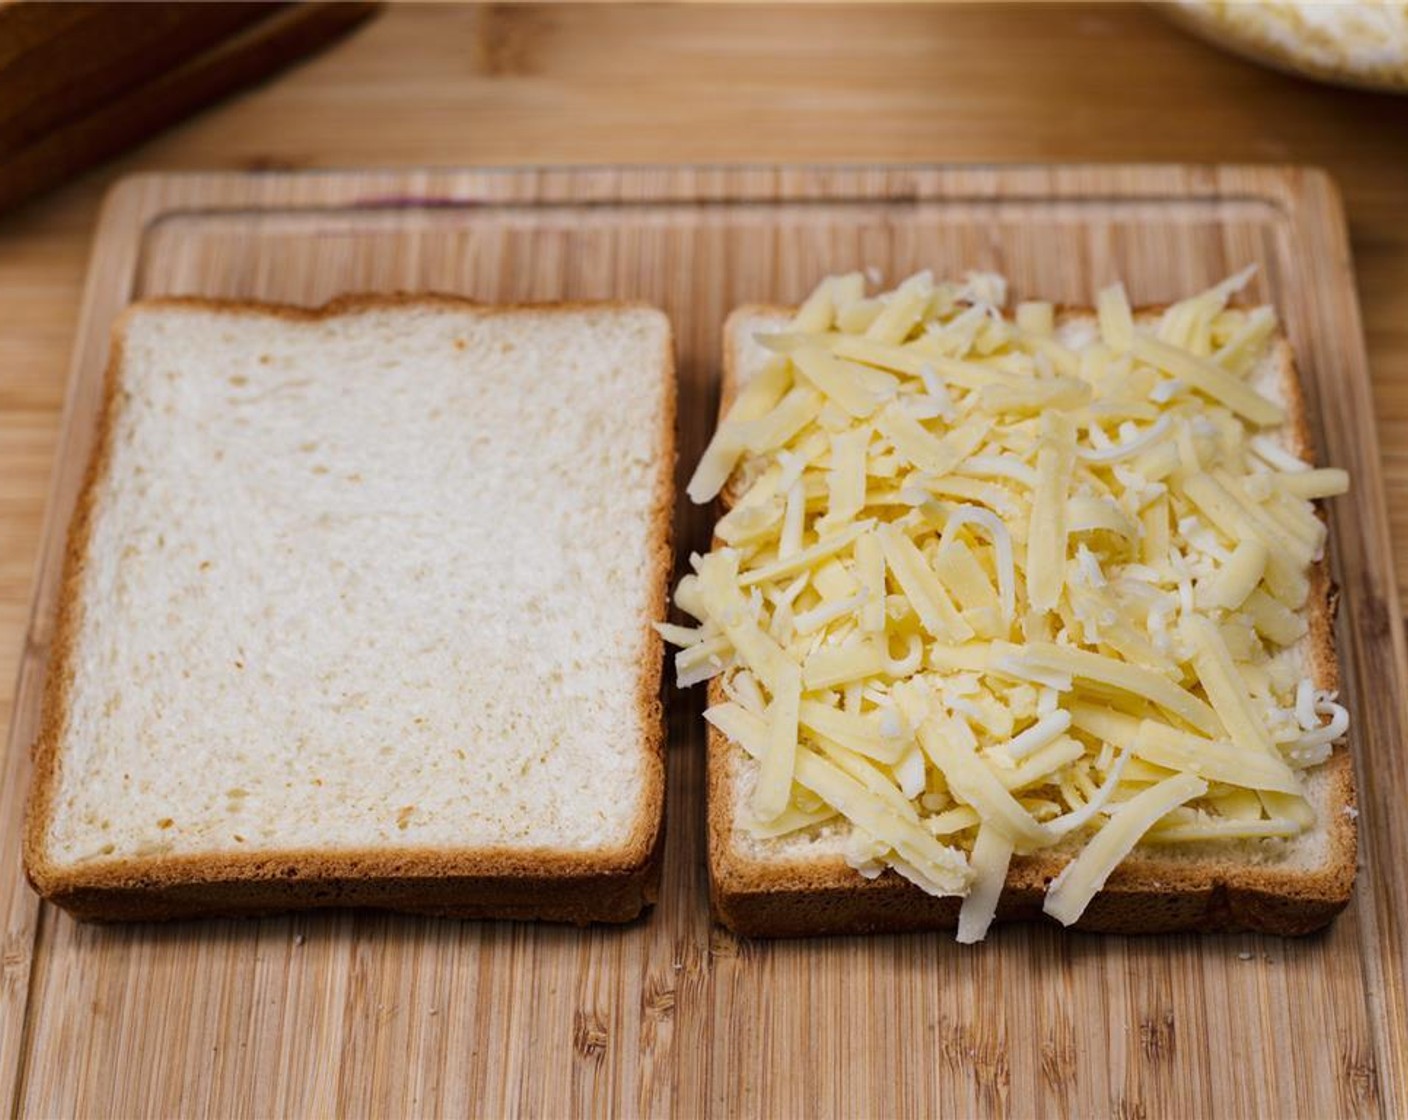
<point x="357" y="612"/>
<point x="801" y="885"/>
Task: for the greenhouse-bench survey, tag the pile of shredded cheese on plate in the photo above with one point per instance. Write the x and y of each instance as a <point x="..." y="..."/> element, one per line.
<point x="995" y="584"/>
<point x="1357" y="43"/>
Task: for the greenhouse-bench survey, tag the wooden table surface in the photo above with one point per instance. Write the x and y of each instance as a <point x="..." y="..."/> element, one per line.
<point x="601" y="84"/>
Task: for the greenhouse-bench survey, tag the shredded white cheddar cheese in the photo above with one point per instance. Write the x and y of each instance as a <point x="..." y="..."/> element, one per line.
<point x="999" y="586"/>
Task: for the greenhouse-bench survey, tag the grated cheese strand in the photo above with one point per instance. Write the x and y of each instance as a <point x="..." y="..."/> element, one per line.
<point x="1046" y="539"/>
<point x="951" y="748"/>
<point x="721" y="457"/>
<point x="1209" y="378"/>
<point x="1081" y="879"/>
<point x="922" y="586"/>
<point x="992" y="854"/>
<point x="774" y="788"/>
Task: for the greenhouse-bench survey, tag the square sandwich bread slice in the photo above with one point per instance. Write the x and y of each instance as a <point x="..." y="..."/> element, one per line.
<point x="356" y="611"/>
<point x="811" y="870"/>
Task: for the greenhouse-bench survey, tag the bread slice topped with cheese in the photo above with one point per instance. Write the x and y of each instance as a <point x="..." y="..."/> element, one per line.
<point x="357" y="612"/>
<point x="1017" y="614"/>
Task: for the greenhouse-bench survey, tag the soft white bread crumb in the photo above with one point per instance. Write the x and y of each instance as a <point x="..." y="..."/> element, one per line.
<point x="377" y="580"/>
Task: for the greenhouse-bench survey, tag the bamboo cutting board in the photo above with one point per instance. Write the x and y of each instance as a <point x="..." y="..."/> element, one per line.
<point x="368" y="1014"/>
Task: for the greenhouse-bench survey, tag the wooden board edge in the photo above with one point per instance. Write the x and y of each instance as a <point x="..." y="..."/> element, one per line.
<point x="122" y="222"/>
<point x="1376" y="641"/>
<point x="358" y="187"/>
